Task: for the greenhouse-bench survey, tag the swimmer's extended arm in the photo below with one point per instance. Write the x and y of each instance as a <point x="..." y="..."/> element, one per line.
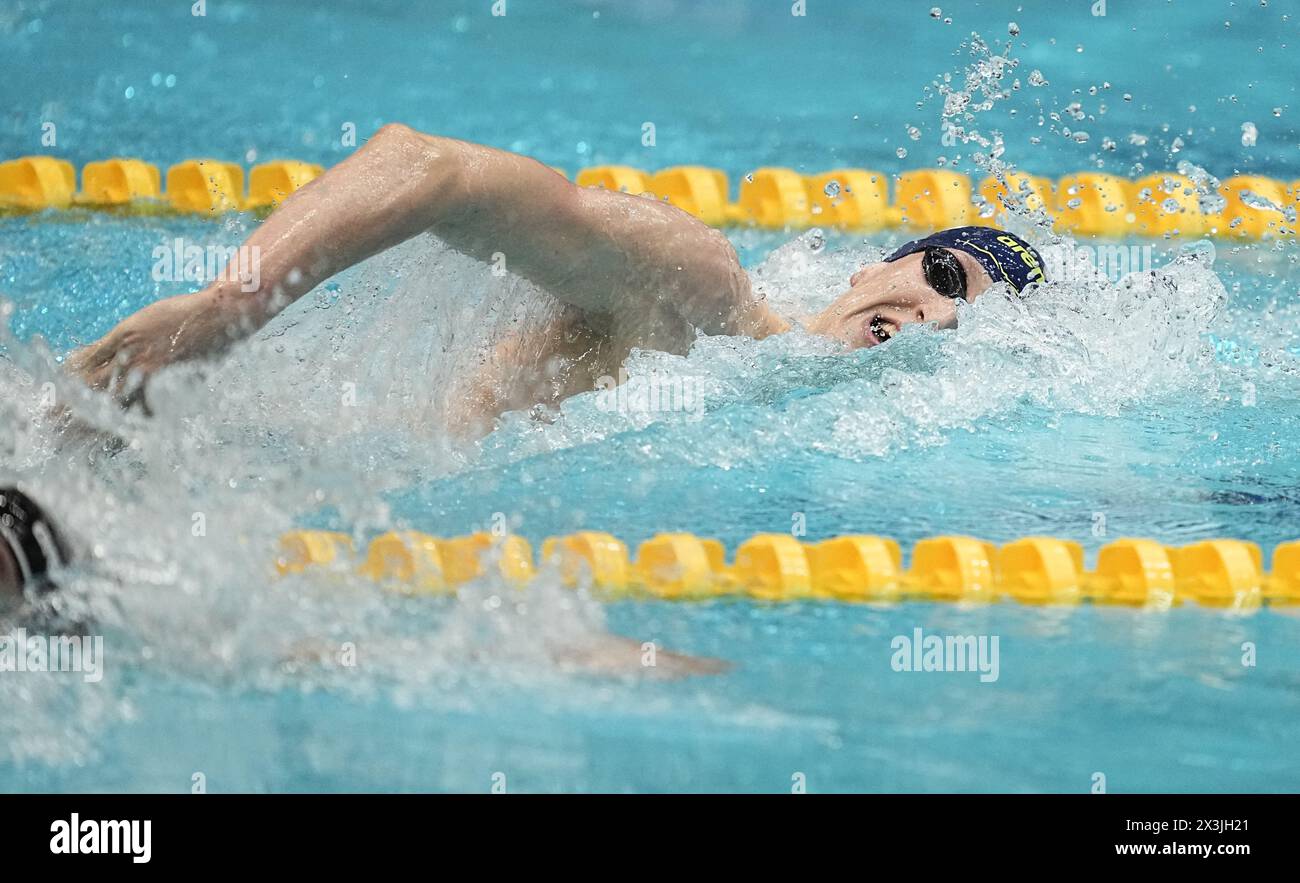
<point x="650" y="271"/>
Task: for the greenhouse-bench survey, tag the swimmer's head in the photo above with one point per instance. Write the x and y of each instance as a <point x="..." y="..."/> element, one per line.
<point x="30" y="547"/>
<point x="920" y="282"/>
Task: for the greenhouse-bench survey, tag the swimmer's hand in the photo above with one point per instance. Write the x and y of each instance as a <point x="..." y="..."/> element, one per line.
<point x="176" y="329"/>
<point x="614" y="655"/>
<point x="601" y="655"/>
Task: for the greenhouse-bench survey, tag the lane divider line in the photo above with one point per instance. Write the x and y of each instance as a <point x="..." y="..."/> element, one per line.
<point x="1131" y="572"/>
<point x="1093" y="204"/>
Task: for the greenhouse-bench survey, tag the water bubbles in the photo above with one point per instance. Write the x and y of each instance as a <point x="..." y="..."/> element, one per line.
<point x="1255" y="200"/>
<point x="1036" y="78"/>
<point x="914" y="133"/>
<point x="1128" y="96"/>
<point x="935" y="12"/>
<point x="1176" y="146"/>
<point x="1248" y="134"/>
<point x="1013" y="29"/>
<point x="901" y="153"/>
<point x="1079" y="137"/>
<point x="832" y="189"/>
<point x="1277" y="111"/>
<point x="1107" y="143"/>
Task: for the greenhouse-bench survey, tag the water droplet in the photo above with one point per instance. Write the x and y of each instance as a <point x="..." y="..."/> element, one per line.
<point x="901" y="152"/>
<point x="1254" y="200"/>
<point x="1080" y="137"/>
<point x="1036" y="78"/>
<point x="935" y="12"/>
<point x="1248" y="134"/>
<point x="914" y="133"/>
<point x="832" y="189"/>
<point x="1013" y="29"/>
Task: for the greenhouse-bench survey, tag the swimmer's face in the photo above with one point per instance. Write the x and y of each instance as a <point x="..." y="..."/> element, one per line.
<point x="885" y="297"/>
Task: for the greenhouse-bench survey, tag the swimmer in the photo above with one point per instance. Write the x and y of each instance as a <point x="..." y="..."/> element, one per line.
<point x="630" y="272"/>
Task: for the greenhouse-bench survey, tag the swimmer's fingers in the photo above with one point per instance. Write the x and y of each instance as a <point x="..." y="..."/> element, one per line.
<point x="111" y="366"/>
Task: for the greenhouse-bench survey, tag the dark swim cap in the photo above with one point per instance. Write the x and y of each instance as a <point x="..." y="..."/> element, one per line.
<point x="31" y="537"/>
<point x="1004" y="256"/>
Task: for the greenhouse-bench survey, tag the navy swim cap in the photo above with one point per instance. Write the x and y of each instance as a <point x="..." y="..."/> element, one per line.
<point x="1004" y="256"/>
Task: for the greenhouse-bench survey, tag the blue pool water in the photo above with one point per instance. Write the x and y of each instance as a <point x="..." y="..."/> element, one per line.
<point x="1101" y="409"/>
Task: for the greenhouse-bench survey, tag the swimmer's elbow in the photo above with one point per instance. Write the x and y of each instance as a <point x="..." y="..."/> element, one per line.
<point x="428" y="169"/>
